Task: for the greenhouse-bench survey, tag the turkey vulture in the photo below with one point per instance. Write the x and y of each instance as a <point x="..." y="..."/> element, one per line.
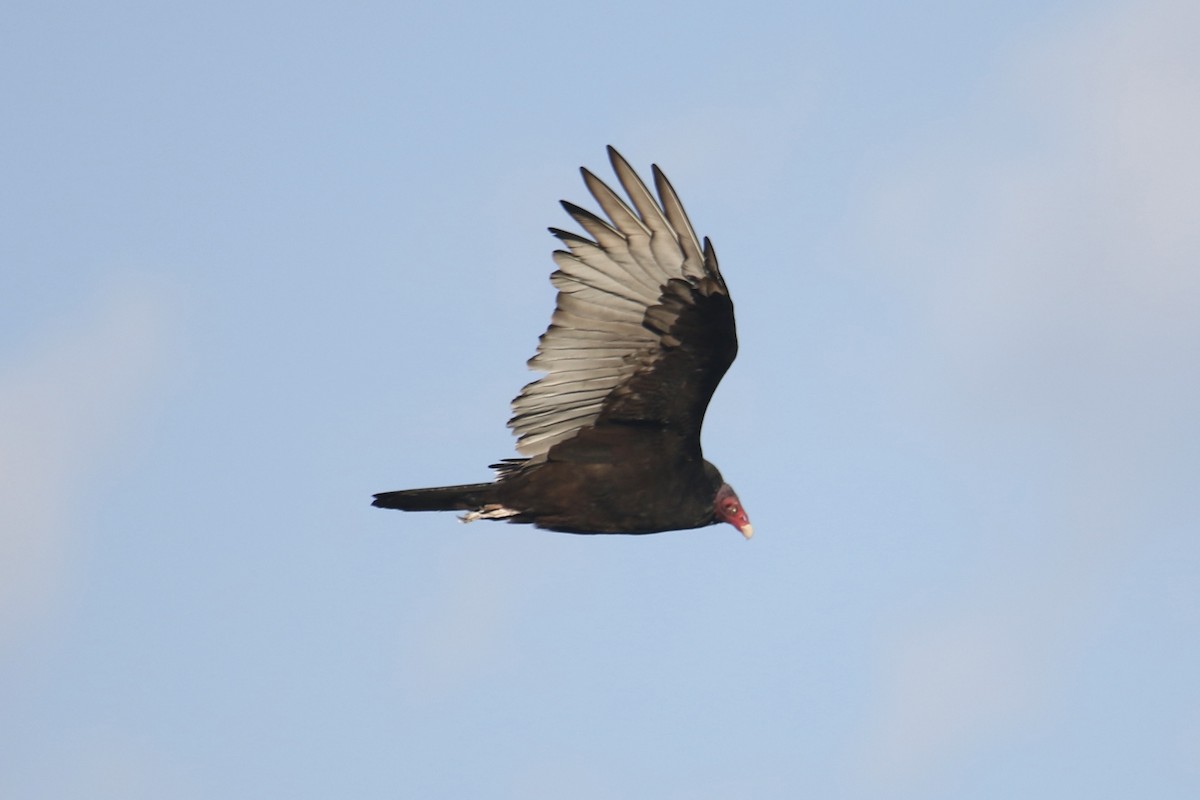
<point x="642" y="333"/>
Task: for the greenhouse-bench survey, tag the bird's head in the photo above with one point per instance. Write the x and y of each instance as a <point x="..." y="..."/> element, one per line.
<point x="727" y="508"/>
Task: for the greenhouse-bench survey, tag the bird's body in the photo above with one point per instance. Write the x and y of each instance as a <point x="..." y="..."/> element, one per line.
<point x="642" y="333"/>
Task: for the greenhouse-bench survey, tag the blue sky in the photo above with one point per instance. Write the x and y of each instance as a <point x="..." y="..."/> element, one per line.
<point x="263" y="260"/>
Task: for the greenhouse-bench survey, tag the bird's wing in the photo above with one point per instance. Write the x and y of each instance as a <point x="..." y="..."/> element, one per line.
<point x="643" y="329"/>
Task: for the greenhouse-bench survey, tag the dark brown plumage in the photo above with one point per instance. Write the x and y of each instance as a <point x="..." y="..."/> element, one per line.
<point x="642" y="333"/>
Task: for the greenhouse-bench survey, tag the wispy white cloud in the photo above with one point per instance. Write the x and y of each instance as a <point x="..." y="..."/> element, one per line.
<point x="63" y="403"/>
<point x="1056" y="270"/>
<point x="964" y="677"/>
<point x="1069" y="200"/>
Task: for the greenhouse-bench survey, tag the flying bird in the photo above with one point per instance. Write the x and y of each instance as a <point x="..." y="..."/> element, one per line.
<point x="641" y="335"/>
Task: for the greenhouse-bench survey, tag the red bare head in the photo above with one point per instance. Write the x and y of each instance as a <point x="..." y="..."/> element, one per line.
<point x="727" y="508"/>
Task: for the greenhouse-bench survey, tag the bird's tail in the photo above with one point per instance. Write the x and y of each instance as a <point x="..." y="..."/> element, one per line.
<point x="466" y="497"/>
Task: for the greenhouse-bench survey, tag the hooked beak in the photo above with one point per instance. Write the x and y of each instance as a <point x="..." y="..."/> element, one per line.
<point x="727" y="508"/>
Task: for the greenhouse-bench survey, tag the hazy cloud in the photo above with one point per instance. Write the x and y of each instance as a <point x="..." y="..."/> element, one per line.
<point x="62" y="402"/>
<point x="1057" y="274"/>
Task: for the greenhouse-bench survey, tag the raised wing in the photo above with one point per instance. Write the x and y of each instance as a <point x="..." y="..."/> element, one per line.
<point x="643" y="329"/>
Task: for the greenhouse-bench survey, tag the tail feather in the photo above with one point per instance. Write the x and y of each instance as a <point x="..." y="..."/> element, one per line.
<point x="467" y="497"/>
